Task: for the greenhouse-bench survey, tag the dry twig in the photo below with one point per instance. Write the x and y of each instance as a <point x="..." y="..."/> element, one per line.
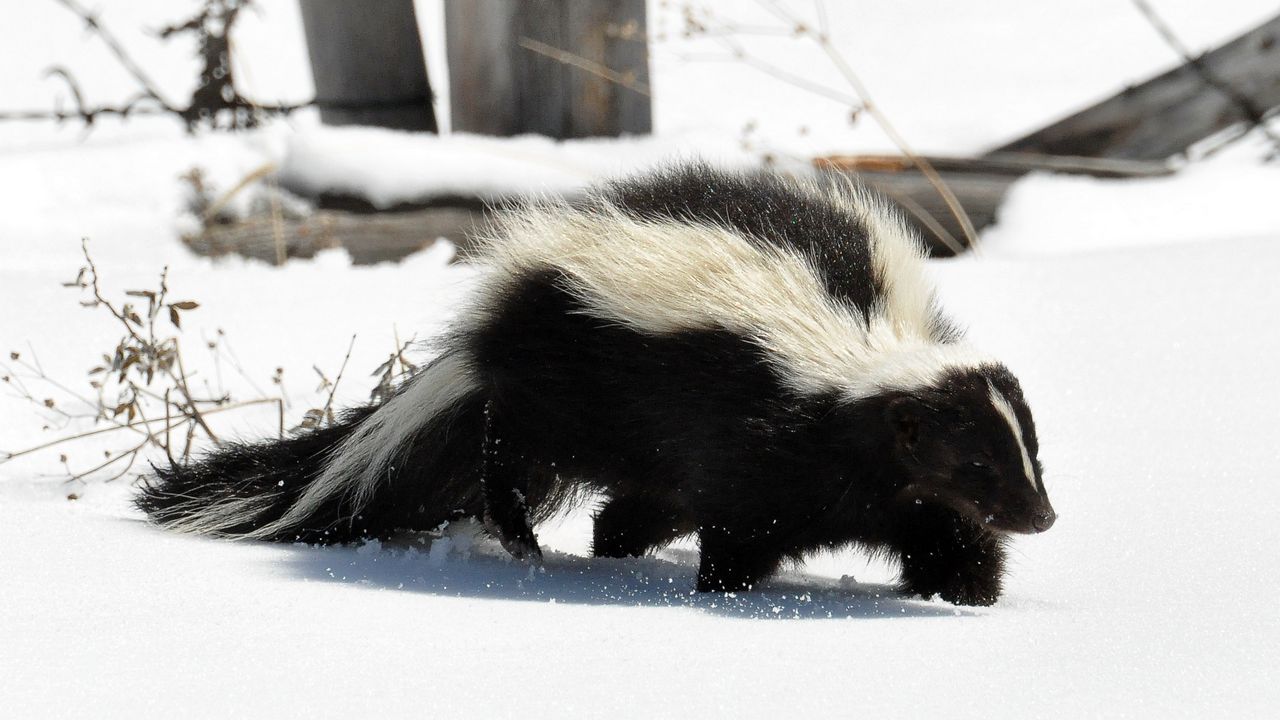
<point x="625" y="79"/>
<point x="1256" y="116"/>
<point x="142" y="385"/>
<point x="214" y="103"/>
<point x="317" y="417"/>
<point x="702" y="23"/>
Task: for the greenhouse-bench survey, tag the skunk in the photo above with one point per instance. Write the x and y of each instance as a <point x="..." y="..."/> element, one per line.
<point x="754" y="359"/>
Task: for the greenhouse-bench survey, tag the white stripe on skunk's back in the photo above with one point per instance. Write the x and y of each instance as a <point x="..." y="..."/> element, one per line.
<point x="909" y="297"/>
<point x="661" y="277"/>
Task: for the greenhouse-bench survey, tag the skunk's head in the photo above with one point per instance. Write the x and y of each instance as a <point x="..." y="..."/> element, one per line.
<point x="968" y="442"/>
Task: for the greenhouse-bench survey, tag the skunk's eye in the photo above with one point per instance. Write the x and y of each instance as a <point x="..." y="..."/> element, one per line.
<point x="979" y="469"/>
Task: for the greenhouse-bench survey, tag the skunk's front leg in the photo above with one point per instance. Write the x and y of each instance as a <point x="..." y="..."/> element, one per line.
<point x="504" y="483"/>
<point x="733" y="561"/>
<point x="630" y="526"/>
<point x="946" y="555"/>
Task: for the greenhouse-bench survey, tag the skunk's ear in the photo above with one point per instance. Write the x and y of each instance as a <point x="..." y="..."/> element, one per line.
<point x="905" y="415"/>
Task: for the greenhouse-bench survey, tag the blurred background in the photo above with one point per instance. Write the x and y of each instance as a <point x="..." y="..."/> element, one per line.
<point x="224" y="138"/>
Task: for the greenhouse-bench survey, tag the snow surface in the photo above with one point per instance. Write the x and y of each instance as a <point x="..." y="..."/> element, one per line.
<point x="388" y="167"/>
<point x="1139" y="316"/>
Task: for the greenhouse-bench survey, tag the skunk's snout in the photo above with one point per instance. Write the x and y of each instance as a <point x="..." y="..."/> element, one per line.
<point x="1044" y="520"/>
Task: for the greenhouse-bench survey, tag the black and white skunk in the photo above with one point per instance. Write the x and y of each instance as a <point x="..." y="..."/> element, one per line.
<point x="753" y="359"/>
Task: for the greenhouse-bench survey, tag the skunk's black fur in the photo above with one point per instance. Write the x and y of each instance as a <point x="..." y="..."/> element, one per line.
<point x="780" y="382"/>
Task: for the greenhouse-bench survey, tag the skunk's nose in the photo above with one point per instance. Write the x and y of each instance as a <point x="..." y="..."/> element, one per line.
<point x="1044" y="520"/>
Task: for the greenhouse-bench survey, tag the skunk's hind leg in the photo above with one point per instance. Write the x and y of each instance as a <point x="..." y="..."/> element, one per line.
<point x="631" y="525"/>
<point x="504" y="483"/>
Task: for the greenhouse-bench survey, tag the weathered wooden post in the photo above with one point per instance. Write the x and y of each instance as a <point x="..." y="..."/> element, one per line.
<point x="561" y="68"/>
<point x="368" y="65"/>
<point x="1236" y="82"/>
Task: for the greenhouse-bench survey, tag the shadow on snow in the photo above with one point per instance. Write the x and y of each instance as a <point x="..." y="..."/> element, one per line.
<point x="478" y="569"/>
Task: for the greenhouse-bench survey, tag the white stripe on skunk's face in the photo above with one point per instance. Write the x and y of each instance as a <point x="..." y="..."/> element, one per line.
<point x="1003" y="407"/>
<point x="961" y="444"/>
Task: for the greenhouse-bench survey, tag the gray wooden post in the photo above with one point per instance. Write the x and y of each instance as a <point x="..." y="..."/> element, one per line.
<point x="595" y="85"/>
<point x="368" y="64"/>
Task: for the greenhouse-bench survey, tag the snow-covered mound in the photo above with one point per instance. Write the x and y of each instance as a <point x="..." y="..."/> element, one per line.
<point x="387" y="167"/>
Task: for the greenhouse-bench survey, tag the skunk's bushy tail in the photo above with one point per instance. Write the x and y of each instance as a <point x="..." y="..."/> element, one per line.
<point x="408" y="464"/>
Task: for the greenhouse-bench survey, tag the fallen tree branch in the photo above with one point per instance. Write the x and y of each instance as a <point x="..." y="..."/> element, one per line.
<point x="1167" y="114"/>
<point x="1252" y="112"/>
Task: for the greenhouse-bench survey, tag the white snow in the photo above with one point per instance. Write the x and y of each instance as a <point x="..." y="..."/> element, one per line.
<point x="1225" y="197"/>
<point x="387" y="167"/>
<point x="1139" y="316"/>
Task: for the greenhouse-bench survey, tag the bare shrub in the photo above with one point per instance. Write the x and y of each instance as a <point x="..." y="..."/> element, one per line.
<point x="140" y="388"/>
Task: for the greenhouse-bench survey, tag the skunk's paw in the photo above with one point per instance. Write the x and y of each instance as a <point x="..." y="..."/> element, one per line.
<point x="520" y="542"/>
<point x="972" y="591"/>
<point x="979" y="591"/>
<point x="524" y="550"/>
